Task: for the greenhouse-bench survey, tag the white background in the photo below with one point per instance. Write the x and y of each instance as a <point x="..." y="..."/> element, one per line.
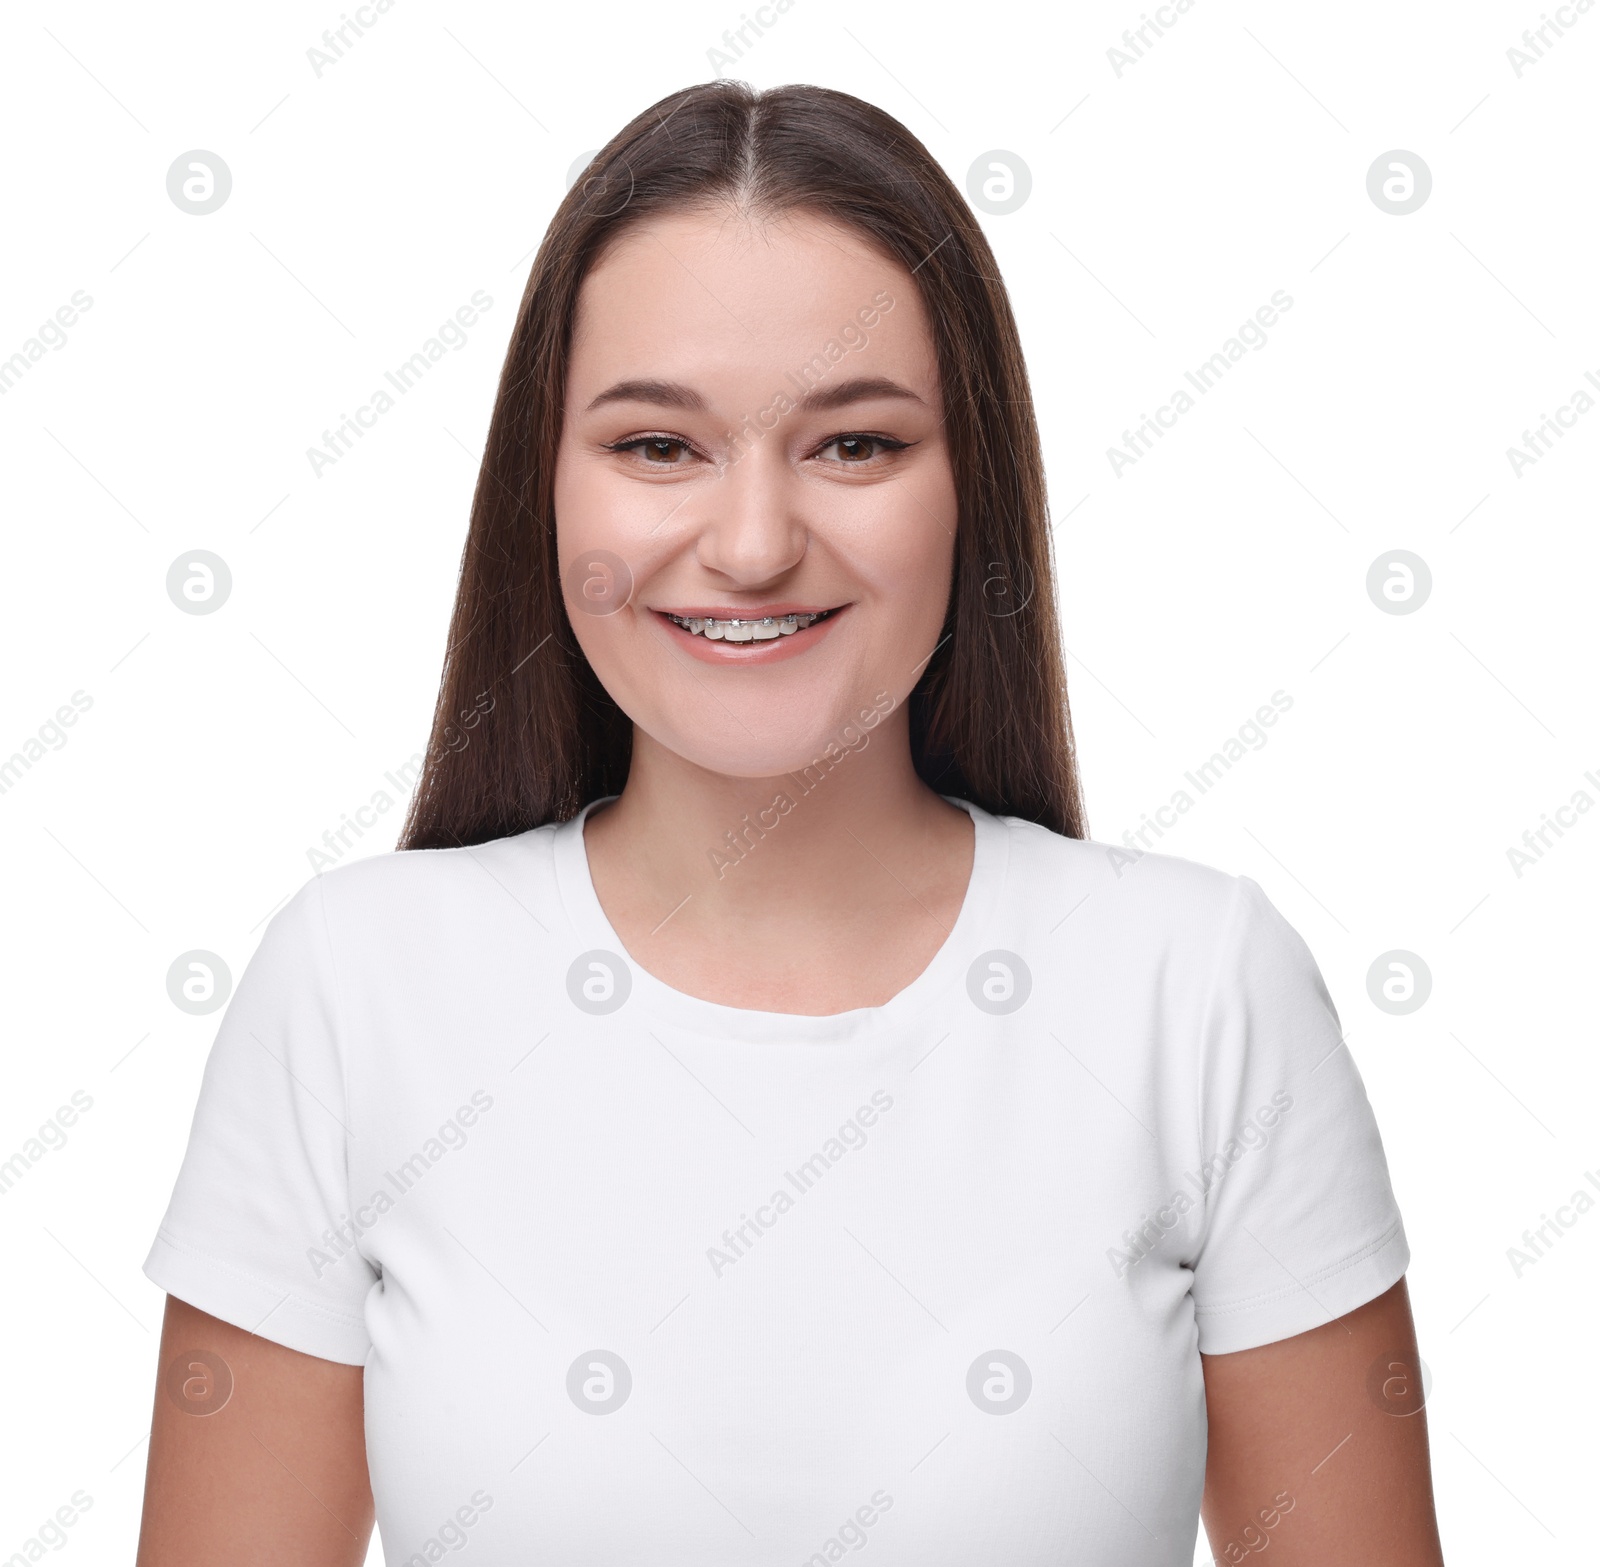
<point x="1167" y="204"/>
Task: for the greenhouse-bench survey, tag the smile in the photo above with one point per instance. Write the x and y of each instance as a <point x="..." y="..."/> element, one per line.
<point x="761" y="628"/>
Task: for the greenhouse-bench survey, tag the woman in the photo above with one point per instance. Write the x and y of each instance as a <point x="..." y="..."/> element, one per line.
<point x="752" y="1121"/>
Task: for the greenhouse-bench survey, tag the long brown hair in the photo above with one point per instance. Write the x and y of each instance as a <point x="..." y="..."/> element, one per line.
<point x="524" y="733"/>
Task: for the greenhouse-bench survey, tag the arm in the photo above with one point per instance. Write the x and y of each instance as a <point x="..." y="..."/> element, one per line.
<point x="1303" y="1459"/>
<point x="277" y="1473"/>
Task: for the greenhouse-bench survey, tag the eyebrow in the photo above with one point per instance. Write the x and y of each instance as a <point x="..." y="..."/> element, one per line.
<point x="857" y="390"/>
<point x="674" y="394"/>
<point x="665" y="394"/>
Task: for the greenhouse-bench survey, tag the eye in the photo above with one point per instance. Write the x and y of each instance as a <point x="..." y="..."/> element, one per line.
<point x="656" y="451"/>
<point x="858" y="450"/>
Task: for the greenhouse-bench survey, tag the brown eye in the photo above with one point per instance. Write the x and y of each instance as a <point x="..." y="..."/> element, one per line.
<point x="655" y="451"/>
<point x="861" y="451"/>
<point x="664" y="451"/>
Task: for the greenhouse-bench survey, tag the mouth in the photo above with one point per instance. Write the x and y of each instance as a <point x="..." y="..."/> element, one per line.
<point x="749" y="628"/>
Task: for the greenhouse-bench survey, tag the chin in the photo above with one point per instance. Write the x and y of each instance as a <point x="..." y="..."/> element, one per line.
<point x="759" y="754"/>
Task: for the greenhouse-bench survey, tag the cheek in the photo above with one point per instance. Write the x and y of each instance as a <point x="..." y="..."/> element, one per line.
<point x="600" y="565"/>
<point x="608" y="541"/>
<point x="591" y="507"/>
<point x="902" y="546"/>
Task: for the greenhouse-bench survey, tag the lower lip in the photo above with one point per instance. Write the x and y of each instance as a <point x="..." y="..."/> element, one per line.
<point x="772" y="651"/>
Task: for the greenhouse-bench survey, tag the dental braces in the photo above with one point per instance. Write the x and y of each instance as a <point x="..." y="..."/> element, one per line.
<point x="763" y="628"/>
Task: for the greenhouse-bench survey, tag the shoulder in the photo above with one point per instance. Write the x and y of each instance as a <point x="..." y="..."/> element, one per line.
<point x="1155" y="891"/>
<point x="424" y="893"/>
<point x="1128" y="912"/>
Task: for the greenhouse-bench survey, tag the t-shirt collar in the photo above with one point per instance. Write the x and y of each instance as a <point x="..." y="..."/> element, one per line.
<point x="944" y="976"/>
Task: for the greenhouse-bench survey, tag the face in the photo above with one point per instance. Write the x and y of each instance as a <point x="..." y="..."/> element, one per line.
<point x="753" y="433"/>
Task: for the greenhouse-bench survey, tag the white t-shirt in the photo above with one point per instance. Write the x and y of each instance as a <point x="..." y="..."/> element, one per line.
<point x="637" y="1277"/>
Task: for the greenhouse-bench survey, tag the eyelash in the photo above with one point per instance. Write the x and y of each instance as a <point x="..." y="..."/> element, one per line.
<point x="886" y="442"/>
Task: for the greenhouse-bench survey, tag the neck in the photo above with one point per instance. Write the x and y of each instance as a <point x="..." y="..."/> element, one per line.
<point x="750" y="846"/>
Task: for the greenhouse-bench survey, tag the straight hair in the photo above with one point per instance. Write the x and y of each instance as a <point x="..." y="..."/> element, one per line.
<point x="523" y="732"/>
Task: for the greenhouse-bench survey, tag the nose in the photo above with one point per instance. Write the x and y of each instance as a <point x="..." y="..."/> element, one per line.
<point x="751" y="519"/>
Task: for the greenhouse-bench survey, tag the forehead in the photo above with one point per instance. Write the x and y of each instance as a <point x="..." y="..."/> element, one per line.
<point x="713" y="292"/>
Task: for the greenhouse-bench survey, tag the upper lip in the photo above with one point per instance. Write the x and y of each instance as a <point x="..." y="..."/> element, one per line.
<point x="745" y="611"/>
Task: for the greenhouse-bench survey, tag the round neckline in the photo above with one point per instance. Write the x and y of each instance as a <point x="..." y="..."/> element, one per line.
<point x="946" y="969"/>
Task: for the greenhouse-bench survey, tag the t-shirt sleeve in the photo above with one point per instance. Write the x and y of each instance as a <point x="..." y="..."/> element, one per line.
<point x="1300" y="1223"/>
<point x="263" y="1184"/>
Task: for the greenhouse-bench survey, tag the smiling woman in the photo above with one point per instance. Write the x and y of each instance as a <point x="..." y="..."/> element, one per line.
<point x="1087" y="1278"/>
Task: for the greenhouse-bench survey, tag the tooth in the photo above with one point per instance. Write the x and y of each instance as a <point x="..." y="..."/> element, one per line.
<point x="736" y="629"/>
